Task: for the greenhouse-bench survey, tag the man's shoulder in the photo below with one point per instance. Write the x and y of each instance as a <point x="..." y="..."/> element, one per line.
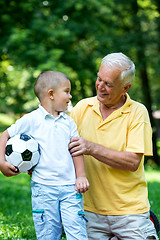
<point x="87" y="101"/>
<point x="139" y="106"/>
<point x="139" y="111"/>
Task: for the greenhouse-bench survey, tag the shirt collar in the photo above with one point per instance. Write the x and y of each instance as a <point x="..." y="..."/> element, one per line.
<point x="46" y="114"/>
<point x="126" y="107"/>
<point x="94" y="103"/>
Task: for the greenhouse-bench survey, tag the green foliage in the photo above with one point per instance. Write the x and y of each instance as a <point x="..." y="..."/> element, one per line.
<point x="6" y="121"/>
<point x="70" y="36"/>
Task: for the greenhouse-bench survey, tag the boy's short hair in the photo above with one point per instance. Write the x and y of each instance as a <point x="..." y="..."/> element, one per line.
<point x="48" y="80"/>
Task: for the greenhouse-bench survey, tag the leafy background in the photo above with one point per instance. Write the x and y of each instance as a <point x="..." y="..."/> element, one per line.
<point x="72" y="36"/>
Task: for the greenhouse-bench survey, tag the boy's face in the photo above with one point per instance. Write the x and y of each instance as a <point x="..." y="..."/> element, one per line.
<point x="62" y="96"/>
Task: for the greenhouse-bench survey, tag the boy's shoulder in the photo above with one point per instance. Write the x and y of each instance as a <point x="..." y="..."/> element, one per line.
<point x="32" y="113"/>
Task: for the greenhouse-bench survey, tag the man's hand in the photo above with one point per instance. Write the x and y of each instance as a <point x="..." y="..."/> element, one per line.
<point x="79" y="146"/>
<point x="82" y="184"/>
<point x="8" y="170"/>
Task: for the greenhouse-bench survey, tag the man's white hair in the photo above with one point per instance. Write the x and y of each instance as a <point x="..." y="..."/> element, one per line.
<point x="123" y="63"/>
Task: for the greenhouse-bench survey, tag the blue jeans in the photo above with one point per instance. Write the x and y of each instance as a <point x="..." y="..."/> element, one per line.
<point x="53" y="206"/>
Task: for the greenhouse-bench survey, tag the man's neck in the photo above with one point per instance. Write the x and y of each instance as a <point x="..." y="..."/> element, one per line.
<point x="106" y="110"/>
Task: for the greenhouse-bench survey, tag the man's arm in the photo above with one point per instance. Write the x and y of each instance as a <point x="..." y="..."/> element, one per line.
<point x="6" y="168"/>
<point x="117" y="159"/>
<point x="82" y="183"/>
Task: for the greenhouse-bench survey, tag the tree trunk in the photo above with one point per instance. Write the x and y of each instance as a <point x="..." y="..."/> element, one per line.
<point x="145" y="79"/>
<point x="148" y="101"/>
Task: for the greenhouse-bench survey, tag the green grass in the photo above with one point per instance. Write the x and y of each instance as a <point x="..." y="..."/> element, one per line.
<point x="153" y="179"/>
<point x="15" y="208"/>
<point x="16" y="211"/>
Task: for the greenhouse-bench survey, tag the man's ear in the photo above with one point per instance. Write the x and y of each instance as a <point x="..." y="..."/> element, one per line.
<point x="51" y="94"/>
<point x="127" y="87"/>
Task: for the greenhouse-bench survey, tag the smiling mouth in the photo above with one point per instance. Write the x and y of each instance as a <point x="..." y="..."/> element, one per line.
<point x="103" y="94"/>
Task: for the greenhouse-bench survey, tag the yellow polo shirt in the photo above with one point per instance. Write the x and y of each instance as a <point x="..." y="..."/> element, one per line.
<point x="113" y="191"/>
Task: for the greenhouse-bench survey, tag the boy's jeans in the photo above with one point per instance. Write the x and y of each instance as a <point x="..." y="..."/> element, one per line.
<point x="54" y="205"/>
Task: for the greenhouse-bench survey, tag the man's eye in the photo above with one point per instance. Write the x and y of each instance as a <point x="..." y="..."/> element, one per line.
<point x="109" y="85"/>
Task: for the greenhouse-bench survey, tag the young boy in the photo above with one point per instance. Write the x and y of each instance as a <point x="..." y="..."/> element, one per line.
<point x="57" y="181"/>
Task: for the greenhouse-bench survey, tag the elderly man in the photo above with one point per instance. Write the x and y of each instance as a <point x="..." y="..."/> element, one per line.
<point x="115" y="135"/>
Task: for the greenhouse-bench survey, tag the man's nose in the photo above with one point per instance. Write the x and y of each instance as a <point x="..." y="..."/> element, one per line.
<point x="102" y="85"/>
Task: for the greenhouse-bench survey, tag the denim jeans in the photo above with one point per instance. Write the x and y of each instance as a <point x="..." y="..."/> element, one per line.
<point x="54" y="206"/>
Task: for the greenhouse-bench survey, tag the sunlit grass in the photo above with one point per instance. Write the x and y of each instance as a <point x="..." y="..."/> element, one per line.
<point x="15" y="208"/>
<point x="152" y="175"/>
<point x="6" y="121"/>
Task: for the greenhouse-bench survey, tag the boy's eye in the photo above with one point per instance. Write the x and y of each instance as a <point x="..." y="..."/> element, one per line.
<point x="68" y="92"/>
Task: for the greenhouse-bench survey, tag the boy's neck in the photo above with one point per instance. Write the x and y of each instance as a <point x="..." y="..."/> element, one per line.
<point x="50" y="110"/>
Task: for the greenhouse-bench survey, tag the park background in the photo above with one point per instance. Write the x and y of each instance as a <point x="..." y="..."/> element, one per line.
<point x="72" y="36"/>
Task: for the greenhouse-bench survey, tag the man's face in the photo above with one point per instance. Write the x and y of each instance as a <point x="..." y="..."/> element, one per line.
<point x="109" y="87"/>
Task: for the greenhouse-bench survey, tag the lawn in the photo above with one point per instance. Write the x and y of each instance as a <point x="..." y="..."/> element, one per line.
<point x="15" y="204"/>
<point x="15" y="208"/>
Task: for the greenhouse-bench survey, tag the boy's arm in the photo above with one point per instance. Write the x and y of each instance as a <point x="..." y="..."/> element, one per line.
<point x="82" y="183"/>
<point x="6" y="168"/>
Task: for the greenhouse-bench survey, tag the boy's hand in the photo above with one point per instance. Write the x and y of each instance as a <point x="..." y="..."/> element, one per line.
<point x="30" y="172"/>
<point x="82" y="184"/>
<point x="8" y="170"/>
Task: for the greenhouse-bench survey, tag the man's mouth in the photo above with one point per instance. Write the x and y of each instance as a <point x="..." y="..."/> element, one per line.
<point x="102" y="94"/>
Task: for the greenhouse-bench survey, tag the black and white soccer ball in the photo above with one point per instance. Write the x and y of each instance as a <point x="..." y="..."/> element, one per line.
<point x="22" y="151"/>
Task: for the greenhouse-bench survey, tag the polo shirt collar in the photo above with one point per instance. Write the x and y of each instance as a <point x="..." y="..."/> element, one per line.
<point x="46" y="114"/>
<point x="124" y="109"/>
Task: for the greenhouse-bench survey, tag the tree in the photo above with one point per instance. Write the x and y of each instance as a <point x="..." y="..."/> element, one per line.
<point x="72" y="36"/>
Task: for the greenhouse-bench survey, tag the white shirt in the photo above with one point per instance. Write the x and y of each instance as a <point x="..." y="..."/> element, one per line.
<point x="53" y="135"/>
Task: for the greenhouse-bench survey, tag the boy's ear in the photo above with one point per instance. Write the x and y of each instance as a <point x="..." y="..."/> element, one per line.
<point x="51" y="93"/>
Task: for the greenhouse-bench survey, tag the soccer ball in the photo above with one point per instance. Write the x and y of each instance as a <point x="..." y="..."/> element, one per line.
<point x="23" y="152"/>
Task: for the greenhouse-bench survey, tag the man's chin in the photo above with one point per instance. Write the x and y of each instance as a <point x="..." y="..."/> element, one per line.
<point x="101" y="98"/>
